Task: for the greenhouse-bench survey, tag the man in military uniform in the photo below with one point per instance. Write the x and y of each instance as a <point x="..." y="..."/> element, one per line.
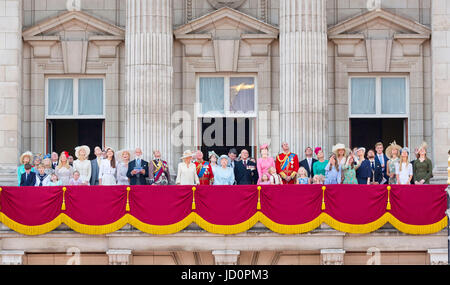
<point x="204" y="170"/>
<point x="287" y="165"/>
<point x="160" y="170"/>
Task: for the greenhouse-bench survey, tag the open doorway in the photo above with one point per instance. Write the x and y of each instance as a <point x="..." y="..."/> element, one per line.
<point x="223" y="134"/>
<point x="367" y="132"/>
<point x="65" y="135"/>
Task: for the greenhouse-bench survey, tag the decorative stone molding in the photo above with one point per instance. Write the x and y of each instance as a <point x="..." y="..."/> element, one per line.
<point x="119" y="256"/>
<point x="226" y="257"/>
<point x="346" y="44"/>
<point x="226" y="3"/>
<point x="259" y="44"/>
<point x="378" y="29"/>
<point x="332" y="256"/>
<point x="65" y="30"/>
<point x="12" y="257"/>
<point x="438" y="256"/>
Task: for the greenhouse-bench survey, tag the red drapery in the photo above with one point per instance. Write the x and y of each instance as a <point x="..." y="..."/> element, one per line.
<point x="286" y="209"/>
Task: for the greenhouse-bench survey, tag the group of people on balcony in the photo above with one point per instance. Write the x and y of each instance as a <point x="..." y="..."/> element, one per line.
<point x="343" y="166"/>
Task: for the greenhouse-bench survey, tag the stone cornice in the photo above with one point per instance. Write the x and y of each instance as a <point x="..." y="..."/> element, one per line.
<point x="79" y="16"/>
<point x="240" y="18"/>
<point x="349" y="25"/>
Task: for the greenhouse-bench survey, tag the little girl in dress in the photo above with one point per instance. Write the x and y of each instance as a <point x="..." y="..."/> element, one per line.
<point x="54" y="181"/>
<point x="302" y="176"/>
<point x="265" y="180"/>
<point x="76" y="179"/>
<point x="274" y="178"/>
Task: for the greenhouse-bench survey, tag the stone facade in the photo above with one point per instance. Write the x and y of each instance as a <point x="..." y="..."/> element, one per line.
<point x="253" y="37"/>
<point x="150" y="53"/>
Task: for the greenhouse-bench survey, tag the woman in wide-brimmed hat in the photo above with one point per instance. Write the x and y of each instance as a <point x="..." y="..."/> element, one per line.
<point x="123" y="157"/>
<point x="187" y="172"/>
<point x="24" y="159"/>
<point x="82" y="164"/>
<point x="341" y="153"/>
<point x="393" y="153"/>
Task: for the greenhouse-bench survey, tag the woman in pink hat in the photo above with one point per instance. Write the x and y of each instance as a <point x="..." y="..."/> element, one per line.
<point x="264" y="162"/>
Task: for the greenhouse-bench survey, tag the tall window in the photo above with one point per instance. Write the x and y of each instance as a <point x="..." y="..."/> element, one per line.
<point x="382" y="96"/>
<point x="75" y="98"/>
<point x="227" y="96"/>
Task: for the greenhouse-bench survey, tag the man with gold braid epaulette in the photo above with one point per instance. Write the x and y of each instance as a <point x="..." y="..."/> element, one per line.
<point x="204" y="170"/>
<point x="287" y="165"/>
<point x="160" y="170"/>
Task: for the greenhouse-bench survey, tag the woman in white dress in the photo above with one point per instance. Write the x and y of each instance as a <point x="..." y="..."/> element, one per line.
<point x="404" y="169"/>
<point x="123" y="158"/>
<point x="341" y="153"/>
<point x="187" y="172"/>
<point x="82" y="164"/>
<point x="64" y="171"/>
<point x="108" y="170"/>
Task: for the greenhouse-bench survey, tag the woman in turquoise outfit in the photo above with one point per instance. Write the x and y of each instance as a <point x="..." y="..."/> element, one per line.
<point x="321" y="163"/>
<point x="25" y="158"/>
<point x="350" y="171"/>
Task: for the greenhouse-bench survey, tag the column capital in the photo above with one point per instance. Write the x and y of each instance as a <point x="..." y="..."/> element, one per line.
<point x="12" y="257"/>
<point x="332" y="256"/>
<point x="226" y="257"/>
<point x="119" y="256"/>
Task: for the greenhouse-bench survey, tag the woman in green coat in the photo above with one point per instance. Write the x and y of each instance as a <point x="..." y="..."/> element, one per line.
<point x="422" y="168"/>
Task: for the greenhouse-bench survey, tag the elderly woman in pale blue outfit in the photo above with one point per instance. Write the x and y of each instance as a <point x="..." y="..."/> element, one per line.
<point x="223" y="174"/>
<point x="333" y="172"/>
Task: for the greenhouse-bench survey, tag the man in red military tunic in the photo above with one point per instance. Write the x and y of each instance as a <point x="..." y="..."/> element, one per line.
<point x="204" y="170"/>
<point x="287" y="165"/>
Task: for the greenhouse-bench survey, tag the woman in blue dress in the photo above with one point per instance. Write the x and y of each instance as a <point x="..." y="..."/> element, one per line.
<point x="333" y="173"/>
<point x="363" y="169"/>
<point x="223" y="174"/>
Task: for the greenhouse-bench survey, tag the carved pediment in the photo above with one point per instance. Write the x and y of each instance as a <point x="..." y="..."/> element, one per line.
<point x="225" y="30"/>
<point x="226" y="19"/>
<point x="74" y="32"/>
<point x="379" y="20"/>
<point x="71" y="22"/>
<point x="379" y="29"/>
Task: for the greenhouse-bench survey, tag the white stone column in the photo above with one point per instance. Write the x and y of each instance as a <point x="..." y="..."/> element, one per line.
<point x="12" y="257"/>
<point x="10" y="89"/>
<point x="226" y="257"/>
<point x="303" y="74"/>
<point x="440" y="44"/>
<point x="119" y="256"/>
<point x="438" y="256"/>
<point x="332" y="256"/>
<point x="149" y="52"/>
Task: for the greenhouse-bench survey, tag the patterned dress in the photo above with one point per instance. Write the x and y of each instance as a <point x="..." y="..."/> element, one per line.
<point x="393" y="162"/>
<point x="349" y="175"/>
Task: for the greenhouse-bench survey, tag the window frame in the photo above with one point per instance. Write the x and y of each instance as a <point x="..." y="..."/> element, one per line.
<point x="378" y="98"/>
<point x="227" y="113"/>
<point x="75" y="114"/>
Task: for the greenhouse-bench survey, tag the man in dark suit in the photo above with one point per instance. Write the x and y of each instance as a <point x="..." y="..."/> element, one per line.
<point x="245" y="171"/>
<point x="138" y="169"/>
<point x="28" y="178"/>
<point x="95" y="165"/>
<point x="308" y="162"/>
<point x="54" y="159"/>
<point x="381" y="160"/>
<point x="377" y="171"/>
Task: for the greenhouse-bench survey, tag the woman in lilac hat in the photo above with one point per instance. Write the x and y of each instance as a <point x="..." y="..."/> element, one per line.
<point x="264" y="162"/>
